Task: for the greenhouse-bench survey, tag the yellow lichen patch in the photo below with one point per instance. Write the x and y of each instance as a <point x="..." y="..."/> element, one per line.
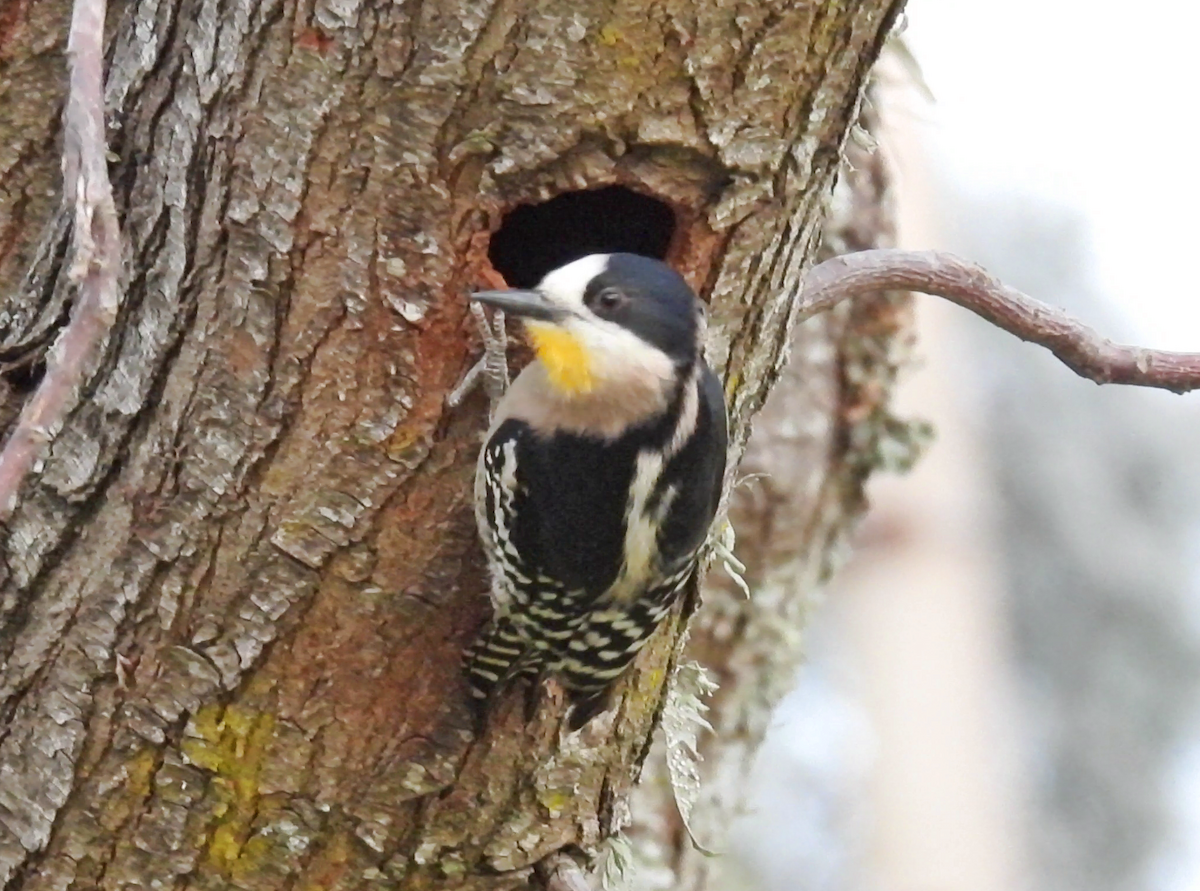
<point x="566" y="360"/>
<point x="649" y="688"/>
<point x="138" y="783"/>
<point x="731" y="385"/>
<point x="609" y="35"/>
<point x="139" y="771"/>
<point x="555" y="801"/>
<point x="643" y="695"/>
<point x="232" y="744"/>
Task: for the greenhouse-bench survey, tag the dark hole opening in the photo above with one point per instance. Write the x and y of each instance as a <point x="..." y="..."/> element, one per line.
<point x="536" y="238"/>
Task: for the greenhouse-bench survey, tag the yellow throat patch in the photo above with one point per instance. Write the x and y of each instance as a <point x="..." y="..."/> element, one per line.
<point x="565" y="358"/>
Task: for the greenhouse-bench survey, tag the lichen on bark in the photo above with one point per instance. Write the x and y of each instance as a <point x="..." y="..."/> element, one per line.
<point x="258" y="504"/>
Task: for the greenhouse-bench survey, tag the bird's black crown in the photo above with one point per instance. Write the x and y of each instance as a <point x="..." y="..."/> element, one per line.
<point x="652" y="300"/>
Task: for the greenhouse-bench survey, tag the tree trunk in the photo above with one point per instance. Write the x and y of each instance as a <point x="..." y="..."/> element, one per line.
<point x="235" y="595"/>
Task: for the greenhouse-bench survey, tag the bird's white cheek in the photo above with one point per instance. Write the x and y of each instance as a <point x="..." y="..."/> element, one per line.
<point x="622" y="359"/>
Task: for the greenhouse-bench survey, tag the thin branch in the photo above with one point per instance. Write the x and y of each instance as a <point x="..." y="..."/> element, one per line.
<point x="560" y="872"/>
<point x="1076" y="345"/>
<point x="97" y="252"/>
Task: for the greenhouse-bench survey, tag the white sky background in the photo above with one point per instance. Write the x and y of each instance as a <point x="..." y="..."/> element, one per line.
<point x="1094" y="106"/>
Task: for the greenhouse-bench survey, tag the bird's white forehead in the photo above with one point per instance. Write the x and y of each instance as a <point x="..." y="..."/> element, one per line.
<point x="567" y="283"/>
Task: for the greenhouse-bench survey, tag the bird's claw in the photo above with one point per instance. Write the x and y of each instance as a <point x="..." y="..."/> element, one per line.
<point x="492" y="366"/>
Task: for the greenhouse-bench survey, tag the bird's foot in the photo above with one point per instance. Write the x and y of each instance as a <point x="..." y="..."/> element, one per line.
<point x="492" y="367"/>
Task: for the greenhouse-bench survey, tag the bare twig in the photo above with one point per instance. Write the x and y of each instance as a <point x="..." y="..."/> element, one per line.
<point x="560" y="872"/>
<point x="97" y="253"/>
<point x="944" y="275"/>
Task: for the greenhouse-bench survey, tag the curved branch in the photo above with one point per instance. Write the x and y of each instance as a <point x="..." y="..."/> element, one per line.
<point x="1076" y="345"/>
<point x="97" y="252"/>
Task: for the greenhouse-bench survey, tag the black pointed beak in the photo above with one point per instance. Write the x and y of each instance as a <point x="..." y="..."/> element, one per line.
<point x="524" y="304"/>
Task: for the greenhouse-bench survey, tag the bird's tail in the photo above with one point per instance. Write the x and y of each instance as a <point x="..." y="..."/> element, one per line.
<point x="495" y="656"/>
<point x="603" y="648"/>
<point x="595" y="658"/>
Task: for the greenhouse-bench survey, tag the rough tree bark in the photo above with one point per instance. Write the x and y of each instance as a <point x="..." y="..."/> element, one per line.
<point x="233" y="598"/>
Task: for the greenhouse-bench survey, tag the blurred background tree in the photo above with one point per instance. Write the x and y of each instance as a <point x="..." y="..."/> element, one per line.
<point x="1001" y="689"/>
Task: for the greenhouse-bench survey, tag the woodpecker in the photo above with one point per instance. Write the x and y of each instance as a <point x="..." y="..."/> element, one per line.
<point x="599" y="477"/>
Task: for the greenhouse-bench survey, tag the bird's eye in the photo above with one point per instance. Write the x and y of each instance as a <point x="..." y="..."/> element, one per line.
<point x="609" y="299"/>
